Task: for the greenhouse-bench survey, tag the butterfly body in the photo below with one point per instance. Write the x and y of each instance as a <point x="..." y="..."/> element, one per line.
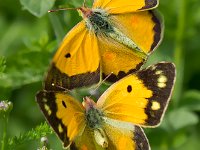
<point x="95" y="119"/>
<point x="93" y="116"/>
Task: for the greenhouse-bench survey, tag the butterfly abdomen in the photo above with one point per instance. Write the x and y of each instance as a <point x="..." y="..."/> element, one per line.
<point x="123" y="39"/>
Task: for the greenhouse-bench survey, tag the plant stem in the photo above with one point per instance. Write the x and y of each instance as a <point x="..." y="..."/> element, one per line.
<point x="57" y="26"/>
<point x="179" y="54"/>
<point x="4" y="139"/>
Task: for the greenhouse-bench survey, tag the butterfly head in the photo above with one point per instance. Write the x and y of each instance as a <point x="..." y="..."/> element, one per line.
<point x="85" y="12"/>
<point x="96" y="19"/>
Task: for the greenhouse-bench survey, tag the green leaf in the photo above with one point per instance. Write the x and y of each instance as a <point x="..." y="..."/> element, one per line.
<point x="181" y="118"/>
<point x="34" y="134"/>
<point x="179" y="139"/>
<point x="191" y="100"/>
<point x="38" y="7"/>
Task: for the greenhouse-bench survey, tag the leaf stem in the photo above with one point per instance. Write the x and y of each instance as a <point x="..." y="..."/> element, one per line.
<point x="4" y="138"/>
<point x="179" y="52"/>
<point x="57" y="26"/>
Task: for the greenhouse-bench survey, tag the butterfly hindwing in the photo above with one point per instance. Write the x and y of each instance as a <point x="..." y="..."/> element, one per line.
<point x="86" y="141"/>
<point x="76" y="62"/>
<point x="64" y="114"/>
<point x="140" y="98"/>
<point x="123" y="135"/>
<point x="120" y="136"/>
<point x="146" y="32"/>
<point x="146" y="28"/>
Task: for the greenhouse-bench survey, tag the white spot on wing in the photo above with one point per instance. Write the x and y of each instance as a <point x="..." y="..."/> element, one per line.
<point x="48" y="110"/>
<point x="161" y="85"/>
<point x="155" y="105"/>
<point x="159" y="72"/>
<point x="162" y="79"/>
<point x="60" y="129"/>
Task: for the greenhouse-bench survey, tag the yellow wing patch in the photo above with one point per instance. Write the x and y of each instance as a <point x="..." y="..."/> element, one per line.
<point x="78" y="52"/>
<point x="126" y="98"/>
<point x="117" y="58"/>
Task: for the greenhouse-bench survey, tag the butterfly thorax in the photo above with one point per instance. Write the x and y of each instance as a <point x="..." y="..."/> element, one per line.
<point x="98" y="20"/>
<point x="93" y="116"/>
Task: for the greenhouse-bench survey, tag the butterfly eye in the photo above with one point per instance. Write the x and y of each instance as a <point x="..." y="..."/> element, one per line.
<point x="63" y="103"/>
<point x="129" y="88"/>
<point x="68" y="55"/>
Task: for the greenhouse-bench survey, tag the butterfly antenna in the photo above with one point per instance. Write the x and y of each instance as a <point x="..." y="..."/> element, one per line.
<point x="55" y="10"/>
<point x="57" y="86"/>
<point x="93" y="91"/>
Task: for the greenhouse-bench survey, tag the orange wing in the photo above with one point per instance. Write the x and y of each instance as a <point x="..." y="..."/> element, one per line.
<point x="77" y="59"/>
<point x="144" y="28"/>
<point x="125" y="136"/>
<point x="117" y="59"/>
<point x="140" y="98"/>
<point x="86" y="141"/>
<point x="64" y="113"/>
<point x="125" y="6"/>
<point x="120" y="136"/>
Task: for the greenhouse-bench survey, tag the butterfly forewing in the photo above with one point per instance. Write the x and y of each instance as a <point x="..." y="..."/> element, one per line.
<point x="64" y="114"/>
<point x="140" y="98"/>
<point x="125" y="6"/>
<point x="77" y="61"/>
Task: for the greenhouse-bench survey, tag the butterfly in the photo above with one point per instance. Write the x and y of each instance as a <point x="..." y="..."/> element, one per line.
<point x="115" y="121"/>
<point x="114" y="36"/>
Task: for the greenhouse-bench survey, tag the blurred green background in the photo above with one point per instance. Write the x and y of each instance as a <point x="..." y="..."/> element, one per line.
<point x="29" y="36"/>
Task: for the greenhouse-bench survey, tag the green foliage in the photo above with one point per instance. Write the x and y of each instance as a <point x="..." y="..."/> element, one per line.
<point x="2" y="65"/>
<point x="37" y="7"/>
<point x="28" y="43"/>
<point x="185" y="118"/>
<point x="34" y="134"/>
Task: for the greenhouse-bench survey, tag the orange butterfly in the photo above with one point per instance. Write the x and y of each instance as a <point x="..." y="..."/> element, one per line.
<point x="115" y="36"/>
<point x="113" y="123"/>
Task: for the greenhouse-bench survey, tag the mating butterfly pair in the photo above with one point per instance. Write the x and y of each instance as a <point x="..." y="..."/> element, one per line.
<point x="115" y="36"/>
